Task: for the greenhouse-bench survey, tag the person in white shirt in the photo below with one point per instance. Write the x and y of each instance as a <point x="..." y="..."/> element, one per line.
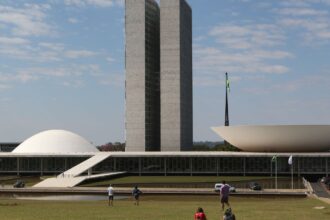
<point x="110" y="194"/>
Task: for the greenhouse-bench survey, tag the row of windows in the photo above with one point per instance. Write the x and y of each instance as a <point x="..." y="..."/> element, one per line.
<point x="171" y="164"/>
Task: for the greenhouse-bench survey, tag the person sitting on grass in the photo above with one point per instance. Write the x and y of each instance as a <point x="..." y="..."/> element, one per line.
<point x="136" y="193"/>
<point x="229" y="215"/>
<point x="200" y="215"/>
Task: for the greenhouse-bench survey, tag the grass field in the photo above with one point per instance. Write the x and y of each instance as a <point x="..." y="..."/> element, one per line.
<point x="166" y="207"/>
<point x="28" y="180"/>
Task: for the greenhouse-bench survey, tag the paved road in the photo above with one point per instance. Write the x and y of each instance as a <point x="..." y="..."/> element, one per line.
<point x="319" y="190"/>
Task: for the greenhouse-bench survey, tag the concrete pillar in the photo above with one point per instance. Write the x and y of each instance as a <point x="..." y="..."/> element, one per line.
<point x="298" y="160"/>
<point x="140" y="168"/>
<point x="326" y="167"/>
<point x="191" y="166"/>
<point x="165" y="174"/>
<point x="18" y="166"/>
<point x="244" y="166"/>
<point x="41" y="166"/>
<point x="217" y="166"/>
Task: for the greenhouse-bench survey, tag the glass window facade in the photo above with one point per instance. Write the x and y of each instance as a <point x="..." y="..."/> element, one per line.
<point x="167" y="165"/>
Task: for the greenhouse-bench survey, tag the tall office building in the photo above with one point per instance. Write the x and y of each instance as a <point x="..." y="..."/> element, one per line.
<point x="158" y="75"/>
<point x="142" y="75"/>
<point x="176" y="75"/>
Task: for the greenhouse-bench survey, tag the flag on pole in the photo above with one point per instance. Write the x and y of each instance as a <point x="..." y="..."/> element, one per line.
<point x="274" y="158"/>
<point x="228" y="85"/>
<point x="290" y="160"/>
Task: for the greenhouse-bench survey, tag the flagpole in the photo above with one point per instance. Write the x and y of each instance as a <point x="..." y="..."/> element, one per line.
<point x="226" y="107"/>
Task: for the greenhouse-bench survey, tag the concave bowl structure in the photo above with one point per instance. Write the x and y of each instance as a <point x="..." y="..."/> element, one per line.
<point x="277" y="138"/>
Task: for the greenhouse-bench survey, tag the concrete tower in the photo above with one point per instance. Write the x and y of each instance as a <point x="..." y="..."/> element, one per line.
<point x="142" y="75"/>
<point x="176" y="75"/>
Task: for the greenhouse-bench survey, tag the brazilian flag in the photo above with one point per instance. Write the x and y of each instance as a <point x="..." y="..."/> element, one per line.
<point x="227" y="83"/>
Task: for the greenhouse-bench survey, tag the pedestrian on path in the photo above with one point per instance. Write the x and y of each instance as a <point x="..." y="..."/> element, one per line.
<point x="224" y="195"/>
<point x="136" y="194"/>
<point x="110" y="195"/>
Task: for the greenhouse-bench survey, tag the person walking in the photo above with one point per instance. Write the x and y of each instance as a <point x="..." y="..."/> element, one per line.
<point x="110" y="194"/>
<point x="224" y="195"/>
<point x="200" y="215"/>
<point x="136" y="194"/>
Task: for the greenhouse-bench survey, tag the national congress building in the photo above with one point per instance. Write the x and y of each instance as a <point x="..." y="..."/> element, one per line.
<point x="158" y="75"/>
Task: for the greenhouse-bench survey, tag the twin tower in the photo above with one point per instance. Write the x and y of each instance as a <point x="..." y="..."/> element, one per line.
<point x="158" y="85"/>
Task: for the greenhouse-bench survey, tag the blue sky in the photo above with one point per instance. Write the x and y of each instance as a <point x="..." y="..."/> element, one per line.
<point x="62" y="65"/>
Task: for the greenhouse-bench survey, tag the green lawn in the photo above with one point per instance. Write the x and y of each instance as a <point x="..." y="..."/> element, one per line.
<point x="28" y="180"/>
<point x="166" y="207"/>
<point x="176" y="179"/>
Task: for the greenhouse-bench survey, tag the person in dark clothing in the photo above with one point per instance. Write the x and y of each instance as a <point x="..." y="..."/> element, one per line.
<point x="136" y="194"/>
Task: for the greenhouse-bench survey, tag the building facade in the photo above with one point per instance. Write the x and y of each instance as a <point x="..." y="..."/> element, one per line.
<point x="176" y="75"/>
<point x="142" y="75"/>
<point x="178" y="163"/>
<point x="158" y="75"/>
<point x="8" y="147"/>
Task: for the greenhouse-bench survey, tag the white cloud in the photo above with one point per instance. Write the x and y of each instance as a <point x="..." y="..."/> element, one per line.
<point x="70" y="74"/>
<point x="240" y="49"/>
<point x="247" y="36"/>
<point x="301" y="12"/>
<point x="314" y="30"/>
<point x="29" y="20"/>
<point x="73" y="84"/>
<point x="209" y="61"/>
<point x="79" y="53"/>
<point x="110" y="59"/>
<point x="96" y="3"/>
<point x="115" y="79"/>
<point x="13" y="41"/>
<point x="73" y="20"/>
<point x="4" y="87"/>
<point x="52" y="46"/>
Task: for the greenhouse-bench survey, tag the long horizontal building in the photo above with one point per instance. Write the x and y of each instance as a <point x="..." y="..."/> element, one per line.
<point x="170" y="163"/>
<point x="68" y="154"/>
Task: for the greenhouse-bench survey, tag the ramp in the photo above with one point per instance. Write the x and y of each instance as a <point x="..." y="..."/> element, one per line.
<point x="71" y="178"/>
<point x="320" y="191"/>
<point x="85" y="165"/>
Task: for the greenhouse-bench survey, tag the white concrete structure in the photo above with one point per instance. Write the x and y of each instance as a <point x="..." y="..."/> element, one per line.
<point x="277" y="138"/>
<point x="55" y="141"/>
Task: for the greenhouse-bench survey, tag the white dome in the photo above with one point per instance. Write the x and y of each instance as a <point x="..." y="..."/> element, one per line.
<point x="55" y="141"/>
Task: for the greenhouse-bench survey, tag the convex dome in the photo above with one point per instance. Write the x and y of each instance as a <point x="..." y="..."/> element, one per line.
<point x="55" y="141"/>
